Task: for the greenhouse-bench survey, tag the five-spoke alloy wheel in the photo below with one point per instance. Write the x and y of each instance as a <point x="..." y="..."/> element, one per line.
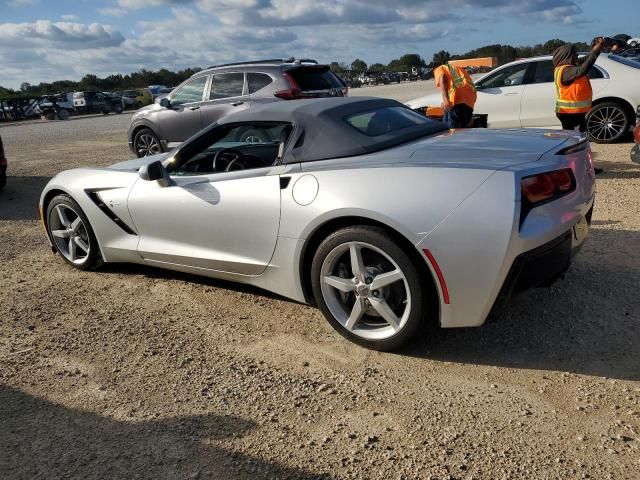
<point x="71" y="233"/>
<point x="368" y="288"/>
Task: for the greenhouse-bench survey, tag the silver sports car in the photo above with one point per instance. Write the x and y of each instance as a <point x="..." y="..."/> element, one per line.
<point x="384" y="219"/>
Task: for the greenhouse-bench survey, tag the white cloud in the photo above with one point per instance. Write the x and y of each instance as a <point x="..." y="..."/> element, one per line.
<point x="112" y="12"/>
<point x="70" y="18"/>
<point x="68" y="35"/>
<point x="205" y="32"/>
<point x="22" y="3"/>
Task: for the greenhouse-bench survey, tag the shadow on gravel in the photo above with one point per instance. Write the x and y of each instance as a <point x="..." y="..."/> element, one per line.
<point x="588" y="323"/>
<point x="19" y="198"/>
<point x="39" y="439"/>
<point x="618" y="170"/>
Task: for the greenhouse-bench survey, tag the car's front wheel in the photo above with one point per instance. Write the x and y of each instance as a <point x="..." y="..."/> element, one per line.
<point x="368" y="288"/>
<point x="146" y="143"/>
<point x="71" y="233"/>
<point x="607" y="122"/>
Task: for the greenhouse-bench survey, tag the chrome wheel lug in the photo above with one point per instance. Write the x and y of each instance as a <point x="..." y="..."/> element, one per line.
<point x="368" y="280"/>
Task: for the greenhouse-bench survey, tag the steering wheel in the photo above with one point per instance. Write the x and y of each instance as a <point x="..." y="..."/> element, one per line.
<point x="225" y="152"/>
<point x="244" y="162"/>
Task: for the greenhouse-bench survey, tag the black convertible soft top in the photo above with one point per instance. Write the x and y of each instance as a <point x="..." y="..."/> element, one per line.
<point x="321" y="131"/>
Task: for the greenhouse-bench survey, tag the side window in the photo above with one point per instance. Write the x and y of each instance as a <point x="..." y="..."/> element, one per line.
<point x="226" y="85"/>
<point x="257" y="81"/>
<point x="190" y="92"/>
<point x="543" y="72"/>
<point x="236" y="147"/>
<point x="506" y="77"/>
<point x="595" y="72"/>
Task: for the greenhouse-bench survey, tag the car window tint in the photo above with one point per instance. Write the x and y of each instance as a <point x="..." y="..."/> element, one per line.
<point x="385" y="120"/>
<point x="543" y="72"/>
<point x="257" y="81"/>
<point x="226" y="85"/>
<point x="506" y="77"/>
<point x="314" y="79"/>
<point x="190" y="92"/>
<point x="595" y="72"/>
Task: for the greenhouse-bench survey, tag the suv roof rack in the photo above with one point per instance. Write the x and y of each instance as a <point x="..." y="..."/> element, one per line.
<point x="270" y="60"/>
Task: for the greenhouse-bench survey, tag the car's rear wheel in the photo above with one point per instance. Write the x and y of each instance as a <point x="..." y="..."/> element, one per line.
<point x="146" y="143"/>
<point x="117" y="108"/>
<point x="63" y="114"/>
<point x="607" y="122"/>
<point x="71" y="233"/>
<point x="368" y="288"/>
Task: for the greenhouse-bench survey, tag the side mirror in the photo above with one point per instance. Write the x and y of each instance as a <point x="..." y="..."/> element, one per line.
<point x="165" y="102"/>
<point x="155" y="171"/>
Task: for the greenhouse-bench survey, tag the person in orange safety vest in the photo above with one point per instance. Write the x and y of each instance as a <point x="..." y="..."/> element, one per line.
<point x="458" y="94"/>
<point x="573" y="88"/>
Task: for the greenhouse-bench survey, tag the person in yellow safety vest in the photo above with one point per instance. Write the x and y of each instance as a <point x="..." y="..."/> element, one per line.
<point x="458" y="94"/>
<point x="573" y="88"/>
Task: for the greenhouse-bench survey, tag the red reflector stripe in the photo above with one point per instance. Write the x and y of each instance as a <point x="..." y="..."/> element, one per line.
<point x="441" y="281"/>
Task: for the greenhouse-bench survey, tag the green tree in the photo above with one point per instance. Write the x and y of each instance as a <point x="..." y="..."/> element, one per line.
<point x="358" y="66"/>
<point x="377" y="67"/>
<point x="441" y="57"/>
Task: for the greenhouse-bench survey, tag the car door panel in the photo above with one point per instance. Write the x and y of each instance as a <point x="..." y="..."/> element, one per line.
<point x="183" y="117"/>
<point x="225" y="222"/>
<point x="502" y="105"/>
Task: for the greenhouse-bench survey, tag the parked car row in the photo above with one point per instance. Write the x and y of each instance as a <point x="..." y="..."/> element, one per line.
<point x="522" y="94"/>
<point x="61" y="106"/>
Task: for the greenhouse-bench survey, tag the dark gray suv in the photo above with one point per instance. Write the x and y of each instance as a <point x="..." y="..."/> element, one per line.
<point x="219" y="90"/>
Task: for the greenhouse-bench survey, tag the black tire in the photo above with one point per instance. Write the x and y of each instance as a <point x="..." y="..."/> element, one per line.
<point x="117" y="108"/>
<point x="63" y="114"/>
<point x="92" y="260"/>
<point x="597" y="126"/>
<point x="146" y="143"/>
<point x="105" y="112"/>
<point x="380" y="239"/>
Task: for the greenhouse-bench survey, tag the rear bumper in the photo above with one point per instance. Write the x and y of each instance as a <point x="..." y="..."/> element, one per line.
<point x="541" y="266"/>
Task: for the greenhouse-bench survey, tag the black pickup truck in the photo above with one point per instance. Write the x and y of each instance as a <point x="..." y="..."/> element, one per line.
<point x="95" y="102"/>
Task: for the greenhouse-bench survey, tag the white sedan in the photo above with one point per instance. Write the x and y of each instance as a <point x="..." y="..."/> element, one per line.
<point x="522" y="94"/>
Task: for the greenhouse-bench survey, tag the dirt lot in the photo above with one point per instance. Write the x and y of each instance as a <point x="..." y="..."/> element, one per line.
<point x="131" y="372"/>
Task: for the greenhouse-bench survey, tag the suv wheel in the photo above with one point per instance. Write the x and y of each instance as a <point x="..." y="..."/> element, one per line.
<point x="146" y="143"/>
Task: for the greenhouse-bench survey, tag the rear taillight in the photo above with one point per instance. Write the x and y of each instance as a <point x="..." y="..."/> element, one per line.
<point x="294" y="92"/>
<point x="636" y="134"/>
<point x="546" y="186"/>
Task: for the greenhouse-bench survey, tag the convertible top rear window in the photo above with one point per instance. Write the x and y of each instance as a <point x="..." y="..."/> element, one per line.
<point x="377" y="122"/>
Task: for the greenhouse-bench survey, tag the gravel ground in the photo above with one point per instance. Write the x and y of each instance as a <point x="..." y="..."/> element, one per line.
<point x="131" y="372"/>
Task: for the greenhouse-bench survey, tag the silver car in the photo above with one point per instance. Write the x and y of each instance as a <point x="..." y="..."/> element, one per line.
<point x="384" y="219"/>
<point x="220" y="90"/>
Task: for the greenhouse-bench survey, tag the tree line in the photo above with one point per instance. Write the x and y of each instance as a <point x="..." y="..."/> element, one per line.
<point x="143" y="78"/>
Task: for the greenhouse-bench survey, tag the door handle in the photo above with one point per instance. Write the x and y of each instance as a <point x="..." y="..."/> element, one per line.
<point x="235" y="104"/>
<point x="195" y="107"/>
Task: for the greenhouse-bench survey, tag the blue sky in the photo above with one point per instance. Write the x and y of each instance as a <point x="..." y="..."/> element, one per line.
<point x="45" y="40"/>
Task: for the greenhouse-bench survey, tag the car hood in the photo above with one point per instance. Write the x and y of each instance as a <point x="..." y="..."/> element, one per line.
<point x="483" y="148"/>
<point x="136" y="163"/>
<point x="433" y="100"/>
